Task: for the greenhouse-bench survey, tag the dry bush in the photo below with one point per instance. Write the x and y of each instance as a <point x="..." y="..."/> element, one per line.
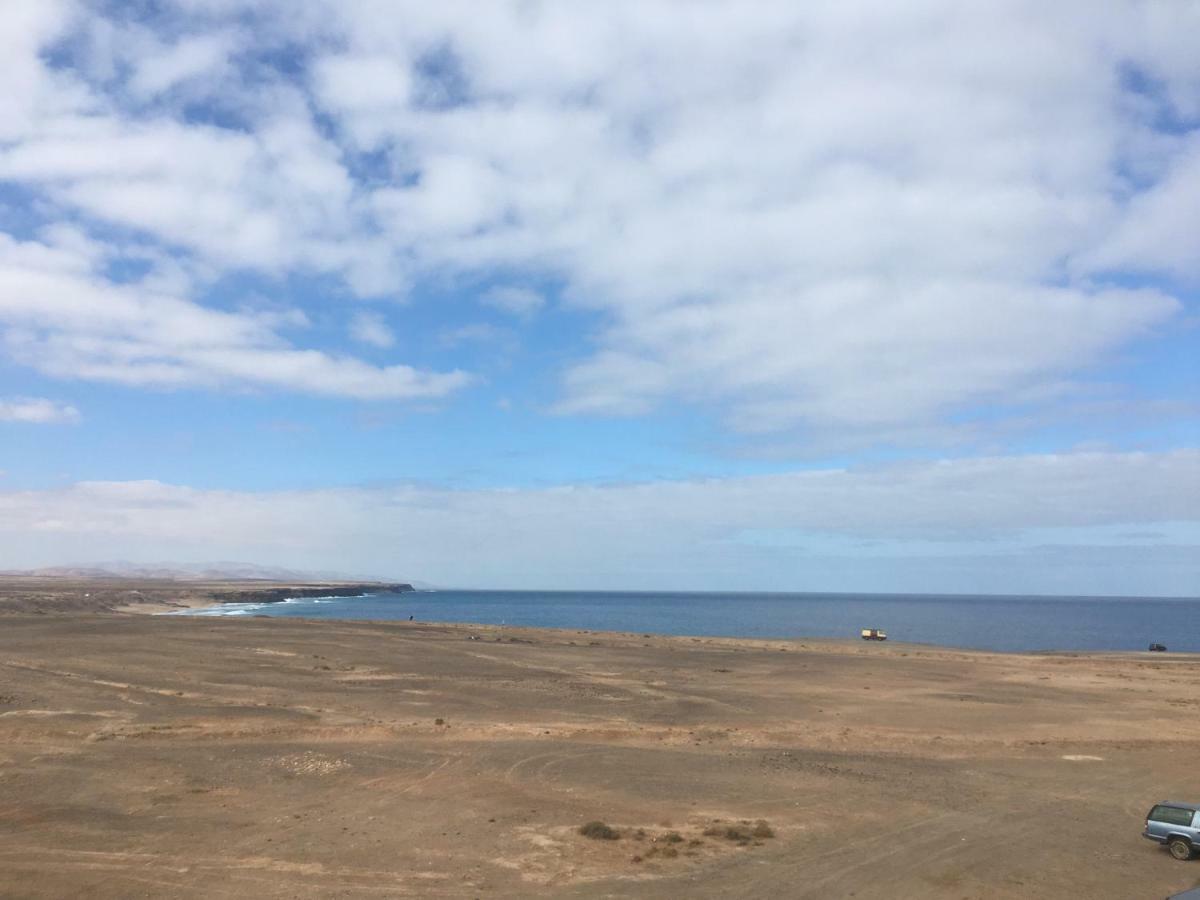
<point x="599" y="831"/>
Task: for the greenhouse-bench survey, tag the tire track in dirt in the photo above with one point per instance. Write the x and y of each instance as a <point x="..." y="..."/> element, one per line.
<point x="901" y="853"/>
<point x="411" y="785"/>
<point x="194" y="696"/>
<point x="514" y="773"/>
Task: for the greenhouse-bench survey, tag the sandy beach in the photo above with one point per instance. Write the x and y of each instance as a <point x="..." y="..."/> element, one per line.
<point x="184" y="757"/>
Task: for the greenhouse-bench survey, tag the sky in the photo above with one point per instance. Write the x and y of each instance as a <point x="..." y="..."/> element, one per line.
<point x="854" y="296"/>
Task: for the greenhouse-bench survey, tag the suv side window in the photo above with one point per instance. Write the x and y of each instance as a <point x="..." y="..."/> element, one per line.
<point x="1172" y="815"/>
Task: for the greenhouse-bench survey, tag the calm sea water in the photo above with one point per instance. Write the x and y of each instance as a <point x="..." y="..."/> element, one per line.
<point x="983" y="622"/>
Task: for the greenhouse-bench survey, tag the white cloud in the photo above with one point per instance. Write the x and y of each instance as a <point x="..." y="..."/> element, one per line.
<point x="829" y="215"/>
<point x="364" y="91"/>
<point x="518" y="301"/>
<point x="367" y="83"/>
<point x="1157" y="230"/>
<point x="59" y="316"/>
<point x="37" y="411"/>
<point x="274" y="201"/>
<point x="833" y="356"/>
<point x="838" y="218"/>
<point x="167" y="66"/>
<point x="371" y="328"/>
<point x="999" y="523"/>
<point x="30" y="93"/>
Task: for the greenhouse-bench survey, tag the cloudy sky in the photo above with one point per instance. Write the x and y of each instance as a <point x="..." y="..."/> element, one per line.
<point x="822" y="296"/>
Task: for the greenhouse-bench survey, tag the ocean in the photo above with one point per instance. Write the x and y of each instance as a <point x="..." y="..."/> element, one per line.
<point x="1009" y="623"/>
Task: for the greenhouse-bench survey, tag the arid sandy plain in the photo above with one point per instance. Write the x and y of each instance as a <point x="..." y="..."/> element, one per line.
<point x="149" y="756"/>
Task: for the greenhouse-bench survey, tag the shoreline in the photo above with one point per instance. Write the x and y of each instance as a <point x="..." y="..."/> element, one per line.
<point x="495" y="633"/>
<point x="197" y="607"/>
<point x="185" y="599"/>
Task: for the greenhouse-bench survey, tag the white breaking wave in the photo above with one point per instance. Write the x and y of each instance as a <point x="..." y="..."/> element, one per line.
<point x="245" y="609"/>
<point x="225" y="609"/>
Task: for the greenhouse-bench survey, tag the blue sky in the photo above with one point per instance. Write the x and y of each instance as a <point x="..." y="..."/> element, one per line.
<point x="448" y="293"/>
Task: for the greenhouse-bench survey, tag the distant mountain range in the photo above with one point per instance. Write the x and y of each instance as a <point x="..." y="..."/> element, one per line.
<point x="209" y="571"/>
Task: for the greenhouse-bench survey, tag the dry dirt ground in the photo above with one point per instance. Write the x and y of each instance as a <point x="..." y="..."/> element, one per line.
<point x="147" y="756"/>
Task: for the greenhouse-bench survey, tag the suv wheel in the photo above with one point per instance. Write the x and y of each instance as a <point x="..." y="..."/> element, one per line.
<point x="1180" y="848"/>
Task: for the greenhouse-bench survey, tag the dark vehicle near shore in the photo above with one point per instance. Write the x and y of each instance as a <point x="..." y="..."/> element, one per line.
<point x="1177" y="825"/>
<point x="1158" y="648"/>
<point x="874" y="634"/>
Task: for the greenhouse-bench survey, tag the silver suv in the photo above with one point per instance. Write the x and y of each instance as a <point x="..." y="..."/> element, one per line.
<point x="1175" y="824"/>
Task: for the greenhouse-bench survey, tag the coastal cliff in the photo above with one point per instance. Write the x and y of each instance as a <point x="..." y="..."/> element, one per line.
<point x="57" y="594"/>
<point x="279" y="594"/>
